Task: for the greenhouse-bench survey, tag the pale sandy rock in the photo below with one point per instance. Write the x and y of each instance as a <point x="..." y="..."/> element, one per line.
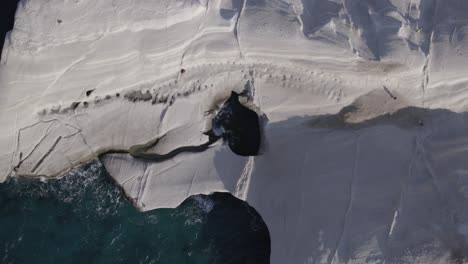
<point x="348" y="173"/>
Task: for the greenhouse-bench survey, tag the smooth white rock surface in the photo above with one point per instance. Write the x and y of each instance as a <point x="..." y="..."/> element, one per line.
<point x="349" y="188"/>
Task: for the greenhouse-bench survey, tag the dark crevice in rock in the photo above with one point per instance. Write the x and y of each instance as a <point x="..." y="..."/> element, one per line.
<point x="135" y="96"/>
<point x="141" y="151"/>
<point x="89" y="92"/>
<point x="239" y="126"/>
<point x="7" y="15"/>
<point x="74" y="105"/>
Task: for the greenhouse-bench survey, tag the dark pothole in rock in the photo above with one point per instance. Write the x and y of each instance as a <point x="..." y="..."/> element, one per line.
<point x="239" y="126"/>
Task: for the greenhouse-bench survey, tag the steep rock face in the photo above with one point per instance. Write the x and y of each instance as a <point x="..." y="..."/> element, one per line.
<point x="349" y="174"/>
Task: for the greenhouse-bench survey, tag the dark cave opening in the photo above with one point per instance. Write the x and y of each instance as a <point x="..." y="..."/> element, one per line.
<point x="7" y="16"/>
<point x="239" y="126"/>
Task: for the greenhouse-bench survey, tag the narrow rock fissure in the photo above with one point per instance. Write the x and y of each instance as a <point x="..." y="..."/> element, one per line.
<point x="236" y="124"/>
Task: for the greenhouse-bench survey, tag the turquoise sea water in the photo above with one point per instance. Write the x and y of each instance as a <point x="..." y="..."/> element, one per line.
<point x="84" y="218"/>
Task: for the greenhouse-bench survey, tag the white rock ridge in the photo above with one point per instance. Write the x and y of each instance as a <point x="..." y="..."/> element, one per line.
<point x="382" y="180"/>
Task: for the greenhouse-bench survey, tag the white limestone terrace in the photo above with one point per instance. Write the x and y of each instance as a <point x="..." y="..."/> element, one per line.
<point x="366" y="146"/>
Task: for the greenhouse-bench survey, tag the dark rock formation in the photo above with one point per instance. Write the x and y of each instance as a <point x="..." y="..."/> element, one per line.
<point x="7" y="17"/>
<point x="239" y="126"/>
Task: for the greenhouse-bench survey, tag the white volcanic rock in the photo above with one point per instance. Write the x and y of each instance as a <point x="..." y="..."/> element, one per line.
<point x="349" y="174"/>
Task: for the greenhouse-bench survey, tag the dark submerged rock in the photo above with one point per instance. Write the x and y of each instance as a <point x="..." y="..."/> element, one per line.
<point x="239" y="126"/>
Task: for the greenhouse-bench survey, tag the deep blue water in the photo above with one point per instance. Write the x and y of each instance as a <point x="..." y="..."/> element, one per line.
<point x="84" y="218"/>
